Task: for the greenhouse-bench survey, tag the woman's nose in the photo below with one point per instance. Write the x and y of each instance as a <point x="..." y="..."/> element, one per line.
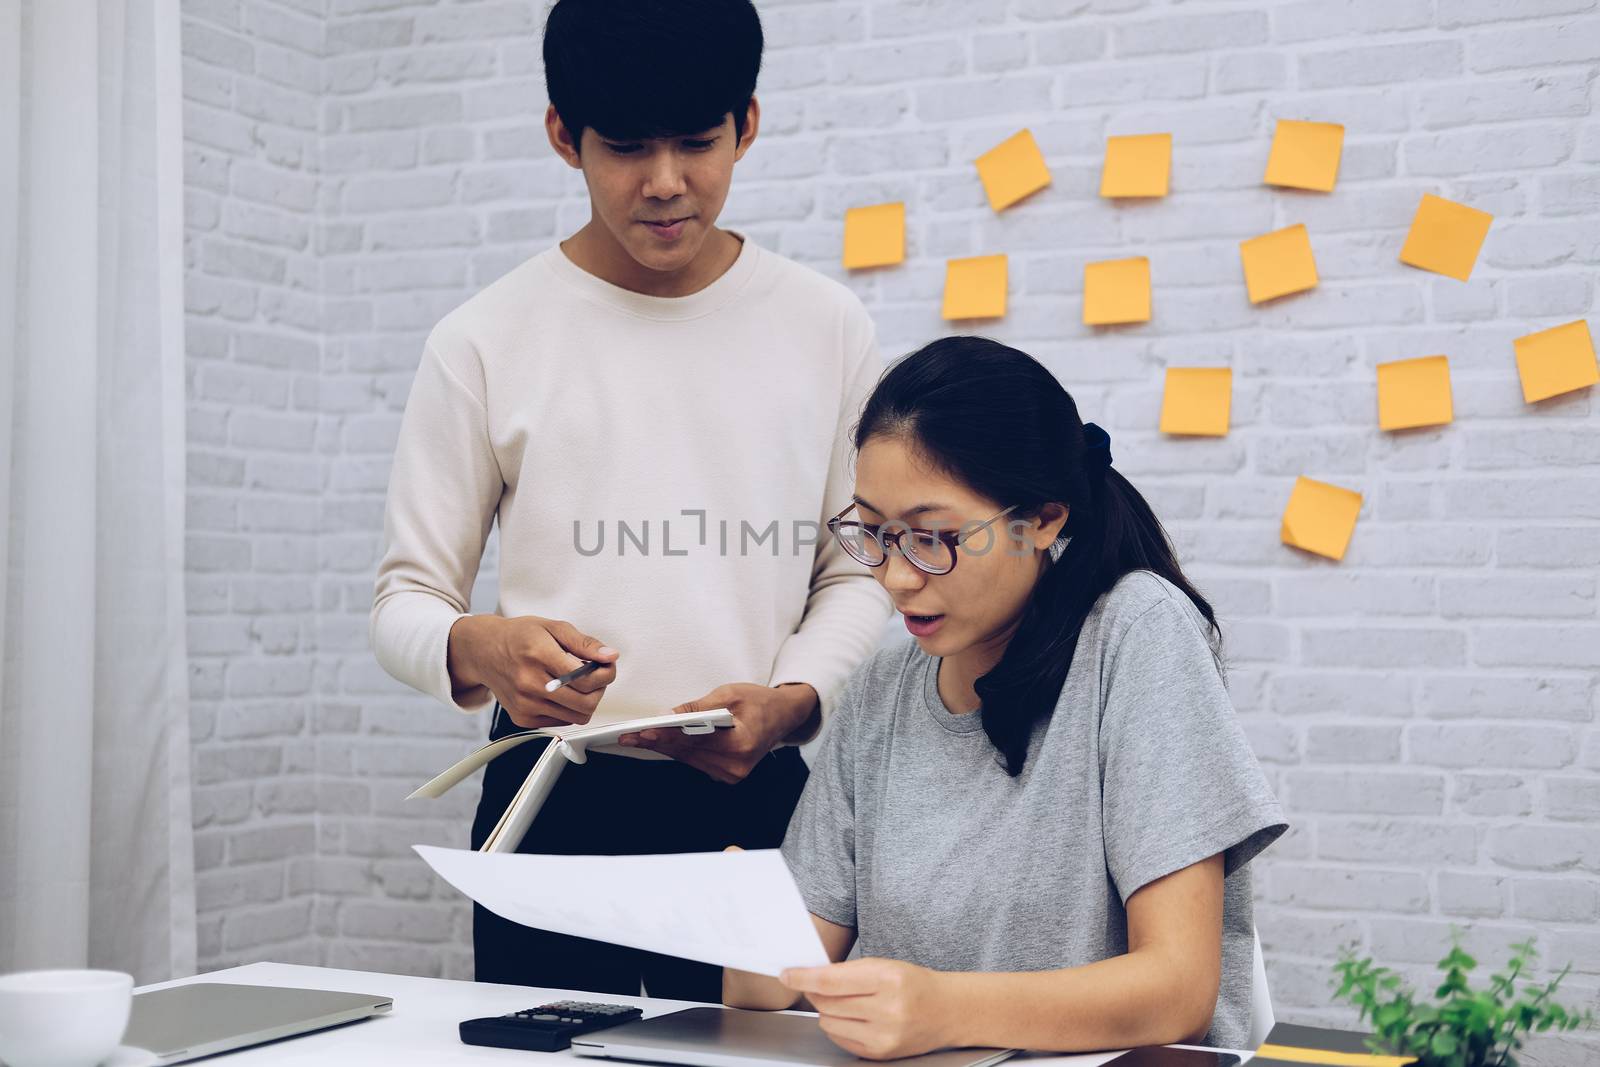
<point x="899" y="573"/>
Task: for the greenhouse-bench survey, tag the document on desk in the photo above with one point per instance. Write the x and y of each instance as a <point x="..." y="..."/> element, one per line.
<point x="733" y="909"/>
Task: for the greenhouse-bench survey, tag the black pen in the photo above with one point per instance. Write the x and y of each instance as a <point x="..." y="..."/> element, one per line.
<point x="573" y="675"/>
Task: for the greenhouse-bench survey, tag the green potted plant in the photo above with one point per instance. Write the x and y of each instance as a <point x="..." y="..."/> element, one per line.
<point x="1463" y="1027"/>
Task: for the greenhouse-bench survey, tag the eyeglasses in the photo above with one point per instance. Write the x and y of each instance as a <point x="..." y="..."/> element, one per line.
<point x="930" y="551"/>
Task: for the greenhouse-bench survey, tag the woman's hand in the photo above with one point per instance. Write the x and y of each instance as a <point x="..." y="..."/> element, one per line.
<point x="879" y="1009"/>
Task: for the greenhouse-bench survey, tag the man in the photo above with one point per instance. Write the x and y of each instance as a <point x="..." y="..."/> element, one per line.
<point x="668" y="383"/>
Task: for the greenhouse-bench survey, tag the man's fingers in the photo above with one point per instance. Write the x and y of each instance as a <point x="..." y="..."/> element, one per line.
<point x="572" y="700"/>
<point x="571" y="649"/>
<point x="720" y="697"/>
<point x="594" y="681"/>
<point x="711" y="753"/>
<point x="580" y="644"/>
<point x="667" y="742"/>
<point x="567" y="708"/>
<point x="529" y="686"/>
<point x="537" y="716"/>
<point x="671" y="740"/>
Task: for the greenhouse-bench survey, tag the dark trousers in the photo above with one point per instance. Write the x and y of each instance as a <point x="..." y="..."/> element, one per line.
<point x="618" y="806"/>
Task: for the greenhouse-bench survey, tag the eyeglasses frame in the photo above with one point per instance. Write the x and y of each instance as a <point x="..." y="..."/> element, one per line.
<point x="953" y="539"/>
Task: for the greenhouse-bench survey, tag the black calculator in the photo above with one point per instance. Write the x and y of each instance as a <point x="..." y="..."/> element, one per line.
<point x="547" y="1028"/>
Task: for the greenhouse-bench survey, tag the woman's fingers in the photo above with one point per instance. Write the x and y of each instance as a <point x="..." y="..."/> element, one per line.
<point x="852" y="978"/>
<point x="848" y="1034"/>
<point x="853" y="1009"/>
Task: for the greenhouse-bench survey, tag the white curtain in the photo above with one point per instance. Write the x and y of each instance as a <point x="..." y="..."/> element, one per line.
<point x="96" y="853"/>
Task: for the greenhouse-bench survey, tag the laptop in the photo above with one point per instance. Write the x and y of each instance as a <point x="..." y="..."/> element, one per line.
<point x="185" y="1022"/>
<point x="728" y="1037"/>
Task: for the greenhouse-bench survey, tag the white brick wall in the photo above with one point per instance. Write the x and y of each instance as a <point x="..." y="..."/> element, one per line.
<point x="252" y="78"/>
<point x="1426" y="709"/>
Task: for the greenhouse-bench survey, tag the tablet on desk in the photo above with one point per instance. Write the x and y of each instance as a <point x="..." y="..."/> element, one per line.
<point x="729" y="1037"/>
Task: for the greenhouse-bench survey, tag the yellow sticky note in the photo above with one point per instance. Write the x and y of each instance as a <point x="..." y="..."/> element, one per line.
<point x="975" y="288"/>
<point x="1116" y="290"/>
<point x="1305" y="155"/>
<point x="1320" y="517"/>
<point x="874" y="236"/>
<point x="1197" y="401"/>
<point x="1137" y="166"/>
<point x="1278" y="263"/>
<point x="1557" y="360"/>
<point x="1414" y="392"/>
<point x="1012" y="170"/>
<point x="1445" y="237"/>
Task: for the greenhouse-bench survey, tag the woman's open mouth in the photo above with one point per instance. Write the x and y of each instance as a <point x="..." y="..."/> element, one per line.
<point x="923" y="625"/>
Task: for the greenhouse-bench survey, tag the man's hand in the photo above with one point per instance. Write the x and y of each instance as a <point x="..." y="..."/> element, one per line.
<point x="763" y="718"/>
<point x="514" y="658"/>
<point x="878" y="1009"/>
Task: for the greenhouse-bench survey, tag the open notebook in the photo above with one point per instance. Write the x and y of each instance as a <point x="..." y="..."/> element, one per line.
<point x="572" y="744"/>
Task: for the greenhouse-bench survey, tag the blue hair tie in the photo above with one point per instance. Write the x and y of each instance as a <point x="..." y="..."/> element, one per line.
<point x="1097" y="447"/>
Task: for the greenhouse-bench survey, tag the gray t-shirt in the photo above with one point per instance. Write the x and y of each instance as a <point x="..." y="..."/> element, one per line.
<point x="911" y="831"/>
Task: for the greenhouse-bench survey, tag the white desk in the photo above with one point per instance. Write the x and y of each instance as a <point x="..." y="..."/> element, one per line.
<point x="422" y="1027"/>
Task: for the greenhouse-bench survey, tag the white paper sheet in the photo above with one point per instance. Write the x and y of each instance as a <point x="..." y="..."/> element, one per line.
<point x="733" y="909"/>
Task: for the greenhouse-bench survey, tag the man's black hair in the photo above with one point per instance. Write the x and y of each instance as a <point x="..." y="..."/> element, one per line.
<point x="632" y="69"/>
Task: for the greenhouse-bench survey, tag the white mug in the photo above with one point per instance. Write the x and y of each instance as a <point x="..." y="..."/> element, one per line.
<point x="63" y="1018"/>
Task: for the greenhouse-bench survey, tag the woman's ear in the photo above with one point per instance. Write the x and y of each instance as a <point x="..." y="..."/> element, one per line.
<point x="1052" y="518"/>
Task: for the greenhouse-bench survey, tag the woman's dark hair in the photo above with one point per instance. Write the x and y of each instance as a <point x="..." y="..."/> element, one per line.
<point x="632" y="69"/>
<point x="1000" y="423"/>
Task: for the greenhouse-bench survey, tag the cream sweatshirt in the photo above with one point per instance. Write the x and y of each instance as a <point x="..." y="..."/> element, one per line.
<point x="660" y="468"/>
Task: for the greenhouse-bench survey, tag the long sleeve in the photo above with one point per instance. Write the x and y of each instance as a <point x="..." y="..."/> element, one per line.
<point x="558" y="409"/>
<point x="444" y="489"/>
<point x="846" y="608"/>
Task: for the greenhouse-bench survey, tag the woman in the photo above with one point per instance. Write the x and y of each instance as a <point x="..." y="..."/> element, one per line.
<point x="1033" y="821"/>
